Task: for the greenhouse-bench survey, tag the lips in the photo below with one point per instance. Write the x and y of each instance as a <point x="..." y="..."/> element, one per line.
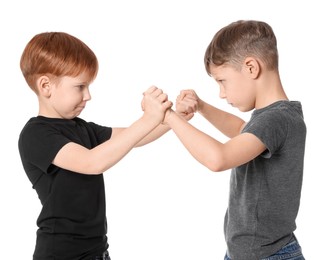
<point x="231" y="104"/>
<point x="80" y="107"/>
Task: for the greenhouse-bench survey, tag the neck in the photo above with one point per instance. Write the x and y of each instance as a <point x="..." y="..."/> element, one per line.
<point x="269" y="90"/>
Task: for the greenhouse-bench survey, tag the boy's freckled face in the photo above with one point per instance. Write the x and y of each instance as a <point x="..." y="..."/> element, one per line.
<point x="69" y="97"/>
<point x="234" y="87"/>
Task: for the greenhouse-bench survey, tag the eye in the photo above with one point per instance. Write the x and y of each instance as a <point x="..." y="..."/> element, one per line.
<point x="81" y="87"/>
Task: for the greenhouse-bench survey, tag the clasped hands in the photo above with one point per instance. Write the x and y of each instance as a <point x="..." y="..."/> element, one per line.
<point x="155" y="103"/>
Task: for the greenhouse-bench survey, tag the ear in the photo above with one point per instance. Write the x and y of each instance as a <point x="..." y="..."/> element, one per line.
<point x="44" y="86"/>
<point x="252" y="67"/>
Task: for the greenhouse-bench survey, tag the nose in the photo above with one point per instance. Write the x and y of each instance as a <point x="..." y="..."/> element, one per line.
<point x="222" y="92"/>
<point x="87" y="95"/>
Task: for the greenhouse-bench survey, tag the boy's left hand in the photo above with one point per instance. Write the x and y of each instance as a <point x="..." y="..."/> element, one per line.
<point x="186" y="104"/>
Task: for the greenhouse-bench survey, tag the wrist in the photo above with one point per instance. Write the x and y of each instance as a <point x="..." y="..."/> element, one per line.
<point x="168" y="116"/>
<point x="200" y="106"/>
<point x="149" y="120"/>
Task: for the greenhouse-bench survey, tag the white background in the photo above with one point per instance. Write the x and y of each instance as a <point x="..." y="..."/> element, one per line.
<point x="161" y="203"/>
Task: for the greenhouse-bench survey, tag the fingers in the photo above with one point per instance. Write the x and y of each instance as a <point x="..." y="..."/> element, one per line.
<point x="186" y="101"/>
<point x="153" y="91"/>
<point x="150" y="90"/>
<point x="184" y="93"/>
<point x="167" y="104"/>
<point x="153" y="94"/>
<point x="186" y="105"/>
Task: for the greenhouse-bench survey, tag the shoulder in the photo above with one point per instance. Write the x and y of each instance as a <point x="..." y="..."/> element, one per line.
<point x="276" y="124"/>
<point x="38" y="125"/>
<point x="32" y="126"/>
<point x="100" y="131"/>
<point x="41" y="130"/>
<point x="280" y="113"/>
<point x="88" y="124"/>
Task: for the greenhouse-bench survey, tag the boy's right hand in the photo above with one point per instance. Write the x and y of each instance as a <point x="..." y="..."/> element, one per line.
<point x="155" y="103"/>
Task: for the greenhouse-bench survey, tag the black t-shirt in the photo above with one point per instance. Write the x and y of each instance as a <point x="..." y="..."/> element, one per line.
<point x="72" y="223"/>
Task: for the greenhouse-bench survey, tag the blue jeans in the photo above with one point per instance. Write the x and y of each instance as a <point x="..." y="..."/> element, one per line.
<point x="291" y="251"/>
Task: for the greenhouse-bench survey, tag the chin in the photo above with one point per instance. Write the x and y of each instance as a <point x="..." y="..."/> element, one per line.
<point x="244" y="109"/>
<point x="72" y="116"/>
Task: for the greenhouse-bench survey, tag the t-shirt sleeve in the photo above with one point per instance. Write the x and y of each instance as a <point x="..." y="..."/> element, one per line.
<point x="103" y="133"/>
<point x="271" y="129"/>
<point x="39" y="144"/>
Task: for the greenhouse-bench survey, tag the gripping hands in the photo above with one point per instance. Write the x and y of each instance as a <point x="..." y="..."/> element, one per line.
<point x="155" y="103"/>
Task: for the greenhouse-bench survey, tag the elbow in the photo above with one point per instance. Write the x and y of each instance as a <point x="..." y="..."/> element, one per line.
<point x="216" y="163"/>
<point x="92" y="170"/>
<point x="216" y="167"/>
<point x="89" y="167"/>
<point x="97" y="171"/>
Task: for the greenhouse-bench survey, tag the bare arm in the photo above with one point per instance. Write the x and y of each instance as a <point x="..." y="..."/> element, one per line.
<point x="161" y="129"/>
<point x="79" y="159"/>
<point x="211" y="153"/>
<point x="152" y="136"/>
<point x="229" y="124"/>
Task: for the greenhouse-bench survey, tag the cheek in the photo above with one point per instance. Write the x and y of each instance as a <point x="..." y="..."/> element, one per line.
<point x="67" y="102"/>
<point x="72" y="97"/>
<point x="249" y="101"/>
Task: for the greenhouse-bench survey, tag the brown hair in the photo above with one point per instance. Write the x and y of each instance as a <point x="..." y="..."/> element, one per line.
<point x="239" y="40"/>
<point x="56" y="54"/>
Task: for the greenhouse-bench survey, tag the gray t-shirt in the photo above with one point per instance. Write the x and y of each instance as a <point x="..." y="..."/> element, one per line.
<point x="265" y="192"/>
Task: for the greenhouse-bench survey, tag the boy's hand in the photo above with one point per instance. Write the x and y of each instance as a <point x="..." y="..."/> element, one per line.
<point x="155" y="103"/>
<point x="187" y="103"/>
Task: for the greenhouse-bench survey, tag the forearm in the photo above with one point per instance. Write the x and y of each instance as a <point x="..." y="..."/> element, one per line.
<point x="77" y="158"/>
<point x="160" y="130"/>
<point x="229" y="124"/>
<point x="201" y="146"/>
<point x="116" y="148"/>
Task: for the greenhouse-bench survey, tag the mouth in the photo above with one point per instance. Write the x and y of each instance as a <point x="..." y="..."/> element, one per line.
<point x="80" y="108"/>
